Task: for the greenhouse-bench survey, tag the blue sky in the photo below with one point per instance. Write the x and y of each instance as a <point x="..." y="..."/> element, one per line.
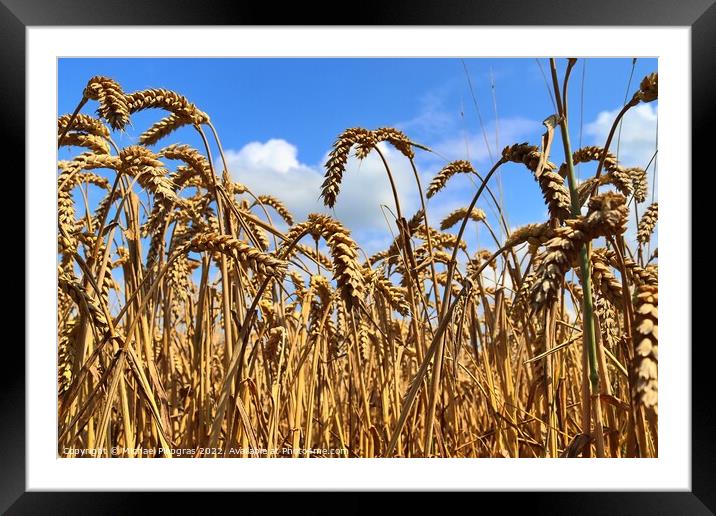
<point x="277" y="119"/>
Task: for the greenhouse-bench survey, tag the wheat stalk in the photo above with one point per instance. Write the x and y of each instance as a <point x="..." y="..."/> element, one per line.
<point x="535" y="234"/>
<point x="141" y="163"/>
<point x="84" y="124"/>
<point x="648" y="88"/>
<point x="396" y="138"/>
<point x="96" y="144"/>
<point x="646" y="346"/>
<point x="343" y="250"/>
<point x="640" y="184"/>
<point x="248" y="256"/>
<point x="554" y="192"/>
<point x="113" y="103"/>
<point x="456" y="216"/>
<point x="158" y="98"/>
<point x="277" y="205"/>
<point x="204" y="337"/>
<point x="163" y="128"/>
<point x="647" y="223"/>
<point x="607" y="216"/>
<point x="445" y="173"/>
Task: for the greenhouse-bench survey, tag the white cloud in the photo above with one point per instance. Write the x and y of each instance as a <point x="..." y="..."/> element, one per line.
<point x="272" y="167"/>
<point x="276" y="155"/>
<point x="638" y="135"/>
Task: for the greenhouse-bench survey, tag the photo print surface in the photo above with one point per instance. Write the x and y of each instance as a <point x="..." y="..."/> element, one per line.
<point x="356" y="258"/>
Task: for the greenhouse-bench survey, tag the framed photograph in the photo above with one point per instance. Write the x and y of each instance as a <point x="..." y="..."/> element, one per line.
<point x="419" y="252"/>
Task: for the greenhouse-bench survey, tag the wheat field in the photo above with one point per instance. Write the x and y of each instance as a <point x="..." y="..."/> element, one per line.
<point x="232" y="337"/>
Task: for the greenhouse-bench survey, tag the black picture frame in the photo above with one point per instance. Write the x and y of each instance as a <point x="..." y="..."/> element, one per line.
<point x="700" y="15"/>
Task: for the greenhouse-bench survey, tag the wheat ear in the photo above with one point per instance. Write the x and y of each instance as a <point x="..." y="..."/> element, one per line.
<point x="343" y="251"/>
<point x="247" y="255"/>
<point x="445" y="173"/>
<point x="607" y="216"/>
<point x="551" y="183"/>
<point x="647" y="223"/>
<point x="456" y="216"/>
<point x="113" y="104"/>
<point x="646" y="346"/>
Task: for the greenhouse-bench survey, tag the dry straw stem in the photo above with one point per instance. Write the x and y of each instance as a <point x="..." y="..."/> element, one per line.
<point x="648" y="223"/>
<point x="449" y="170"/>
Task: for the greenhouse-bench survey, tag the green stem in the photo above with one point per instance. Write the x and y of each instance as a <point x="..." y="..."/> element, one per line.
<point x="588" y="308"/>
<point x="589" y="317"/>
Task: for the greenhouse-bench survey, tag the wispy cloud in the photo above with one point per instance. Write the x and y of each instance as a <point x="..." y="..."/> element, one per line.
<point x="450" y="130"/>
<point x="434" y="117"/>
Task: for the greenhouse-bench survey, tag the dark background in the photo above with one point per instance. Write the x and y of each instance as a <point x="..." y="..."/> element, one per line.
<point x="15" y="15"/>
